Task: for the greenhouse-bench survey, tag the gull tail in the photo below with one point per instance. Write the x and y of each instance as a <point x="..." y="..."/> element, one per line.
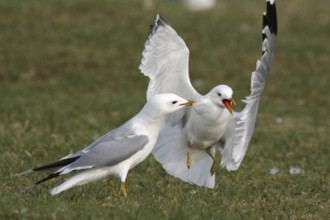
<point x="68" y="184"/>
<point x="50" y="176"/>
<point x="81" y="178"/>
<point x="55" y="164"/>
<point x="171" y="151"/>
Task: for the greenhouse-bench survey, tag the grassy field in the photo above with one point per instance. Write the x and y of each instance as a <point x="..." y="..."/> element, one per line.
<point x="69" y="73"/>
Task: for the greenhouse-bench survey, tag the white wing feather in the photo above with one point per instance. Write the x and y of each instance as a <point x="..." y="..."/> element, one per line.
<point x="240" y="129"/>
<point x="166" y="62"/>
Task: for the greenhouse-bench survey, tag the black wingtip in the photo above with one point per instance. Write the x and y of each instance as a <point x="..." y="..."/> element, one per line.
<point x="264" y="24"/>
<point x="270" y="18"/>
<point x="59" y="163"/>
<point x="50" y="176"/>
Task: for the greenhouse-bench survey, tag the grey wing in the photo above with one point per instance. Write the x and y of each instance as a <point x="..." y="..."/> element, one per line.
<point x="108" y="153"/>
<point x="165" y="61"/>
<point x="120" y="132"/>
<point x="240" y="130"/>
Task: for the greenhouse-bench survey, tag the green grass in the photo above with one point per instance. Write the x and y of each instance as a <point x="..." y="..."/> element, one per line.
<point x="69" y="72"/>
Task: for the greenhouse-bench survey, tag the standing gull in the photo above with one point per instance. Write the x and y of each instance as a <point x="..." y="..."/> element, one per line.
<point x="188" y="138"/>
<point x="118" y="151"/>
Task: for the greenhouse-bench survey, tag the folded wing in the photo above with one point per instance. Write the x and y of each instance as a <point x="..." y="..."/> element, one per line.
<point x="108" y="153"/>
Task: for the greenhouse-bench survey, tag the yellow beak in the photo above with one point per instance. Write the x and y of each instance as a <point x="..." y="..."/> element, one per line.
<point x="189" y="103"/>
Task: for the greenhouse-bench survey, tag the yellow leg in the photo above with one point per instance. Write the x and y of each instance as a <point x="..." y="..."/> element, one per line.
<point x="123" y="189"/>
<point x="214" y="164"/>
<point x="188" y="156"/>
<point x="112" y="188"/>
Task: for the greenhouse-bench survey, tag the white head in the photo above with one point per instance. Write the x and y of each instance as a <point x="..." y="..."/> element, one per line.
<point x="165" y="103"/>
<point x="221" y="96"/>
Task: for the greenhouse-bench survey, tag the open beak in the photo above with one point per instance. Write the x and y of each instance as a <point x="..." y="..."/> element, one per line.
<point x="228" y="103"/>
<point x="189" y="103"/>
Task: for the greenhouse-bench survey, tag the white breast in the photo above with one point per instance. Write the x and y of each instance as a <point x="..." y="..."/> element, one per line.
<point x="206" y="125"/>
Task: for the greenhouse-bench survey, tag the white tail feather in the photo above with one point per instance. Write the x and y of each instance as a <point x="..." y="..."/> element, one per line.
<point x="80" y="179"/>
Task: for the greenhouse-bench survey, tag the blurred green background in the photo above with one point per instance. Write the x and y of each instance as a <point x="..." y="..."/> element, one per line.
<point x="69" y="73"/>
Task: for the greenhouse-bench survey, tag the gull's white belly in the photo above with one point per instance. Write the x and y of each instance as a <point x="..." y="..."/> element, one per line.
<point x="204" y="130"/>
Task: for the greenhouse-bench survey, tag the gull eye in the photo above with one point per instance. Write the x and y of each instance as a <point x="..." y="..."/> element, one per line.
<point x="174" y="102"/>
<point x="219" y="94"/>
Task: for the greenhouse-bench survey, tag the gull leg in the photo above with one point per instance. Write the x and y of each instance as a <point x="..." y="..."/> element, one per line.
<point x="214" y="164"/>
<point x="112" y="188"/>
<point x="123" y="189"/>
<point x="188" y="156"/>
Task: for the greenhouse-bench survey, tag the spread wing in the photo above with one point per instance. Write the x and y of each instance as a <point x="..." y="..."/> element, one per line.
<point x="240" y="129"/>
<point x="165" y="60"/>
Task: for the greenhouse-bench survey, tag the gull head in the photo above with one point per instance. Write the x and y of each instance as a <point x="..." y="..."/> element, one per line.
<point x="166" y="103"/>
<point x="221" y="96"/>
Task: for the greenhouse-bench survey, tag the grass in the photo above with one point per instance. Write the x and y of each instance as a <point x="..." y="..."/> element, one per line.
<point x="69" y="73"/>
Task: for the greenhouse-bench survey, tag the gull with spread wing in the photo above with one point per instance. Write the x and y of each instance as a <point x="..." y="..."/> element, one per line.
<point x="188" y="139"/>
<point x="118" y="151"/>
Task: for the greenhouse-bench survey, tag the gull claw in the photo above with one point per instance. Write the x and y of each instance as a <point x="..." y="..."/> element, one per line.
<point x="112" y="188"/>
<point x="213" y="168"/>
<point x="123" y="189"/>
